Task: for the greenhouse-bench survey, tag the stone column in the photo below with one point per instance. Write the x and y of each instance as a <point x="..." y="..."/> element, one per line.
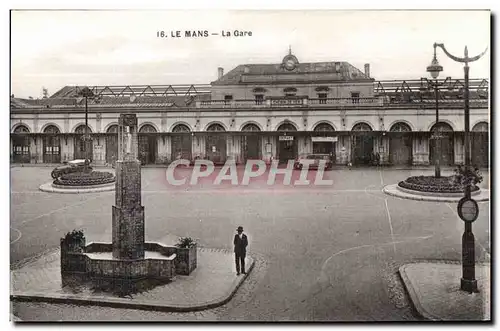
<point x="128" y="214"/>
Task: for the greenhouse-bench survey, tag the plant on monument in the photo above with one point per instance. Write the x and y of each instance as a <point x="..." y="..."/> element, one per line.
<point x="75" y="241"/>
<point x="185" y="242"/>
<point x="72" y="247"/>
<point x="186" y="260"/>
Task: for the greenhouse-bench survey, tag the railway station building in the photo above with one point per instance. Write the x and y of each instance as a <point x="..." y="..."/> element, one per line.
<point x="276" y="111"/>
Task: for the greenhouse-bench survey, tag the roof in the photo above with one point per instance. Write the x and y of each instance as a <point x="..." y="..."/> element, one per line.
<point x="111" y="101"/>
<point x="272" y="73"/>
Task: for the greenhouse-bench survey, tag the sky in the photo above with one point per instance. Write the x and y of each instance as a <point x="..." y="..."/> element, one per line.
<point x="53" y="49"/>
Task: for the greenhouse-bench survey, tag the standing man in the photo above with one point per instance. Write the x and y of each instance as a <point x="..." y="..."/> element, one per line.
<point x="240" y="249"/>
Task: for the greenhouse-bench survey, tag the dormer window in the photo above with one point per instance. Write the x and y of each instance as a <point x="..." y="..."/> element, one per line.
<point x="322" y="97"/>
<point x="290" y="91"/>
<point x="259" y="99"/>
<point x="259" y="90"/>
<point x="355" y="97"/>
<point x="321" y="89"/>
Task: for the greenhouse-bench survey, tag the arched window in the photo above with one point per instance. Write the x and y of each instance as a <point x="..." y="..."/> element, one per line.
<point x="480" y="127"/>
<point x="51" y="129"/>
<point x="215" y="127"/>
<point x="324" y="127"/>
<point x="181" y="128"/>
<point x="362" y="127"/>
<point x="147" y="128"/>
<point x="112" y="129"/>
<point x="287" y="127"/>
<point x="442" y="127"/>
<point x="21" y="129"/>
<point x="250" y="127"/>
<point x="81" y="129"/>
<point x="400" y="127"/>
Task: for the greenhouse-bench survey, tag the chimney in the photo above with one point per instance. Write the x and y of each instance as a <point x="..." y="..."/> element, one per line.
<point x="367" y="70"/>
<point x="220" y="72"/>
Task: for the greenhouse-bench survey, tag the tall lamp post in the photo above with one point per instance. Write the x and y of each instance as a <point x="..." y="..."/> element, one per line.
<point x="86" y="93"/>
<point x="434" y="69"/>
<point x="468" y="282"/>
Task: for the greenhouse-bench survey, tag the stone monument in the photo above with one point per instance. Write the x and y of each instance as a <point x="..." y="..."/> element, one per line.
<point x="128" y="256"/>
<point x="128" y="214"/>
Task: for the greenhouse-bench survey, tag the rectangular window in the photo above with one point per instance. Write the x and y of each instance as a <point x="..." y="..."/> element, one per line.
<point x="259" y="98"/>
<point x="322" y="98"/>
<point x="228" y="99"/>
<point x="355" y="97"/>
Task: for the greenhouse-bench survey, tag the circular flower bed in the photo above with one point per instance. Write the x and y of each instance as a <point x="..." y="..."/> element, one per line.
<point x="85" y="179"/>
<point x="433" y="184"/>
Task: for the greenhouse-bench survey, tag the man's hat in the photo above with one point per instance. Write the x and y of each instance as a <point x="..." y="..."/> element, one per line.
<point x="240" y="228"/>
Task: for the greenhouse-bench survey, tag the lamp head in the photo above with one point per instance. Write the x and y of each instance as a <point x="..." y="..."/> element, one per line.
<point x="434" y="68"/>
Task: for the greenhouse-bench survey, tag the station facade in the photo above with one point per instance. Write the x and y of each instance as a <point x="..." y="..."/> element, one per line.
<point x="270" y="112"/>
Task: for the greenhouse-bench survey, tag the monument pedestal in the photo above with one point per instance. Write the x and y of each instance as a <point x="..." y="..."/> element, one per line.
<point x="128" y="214"/>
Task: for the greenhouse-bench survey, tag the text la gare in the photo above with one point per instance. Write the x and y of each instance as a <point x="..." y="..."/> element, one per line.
<point x="236" y="33"/>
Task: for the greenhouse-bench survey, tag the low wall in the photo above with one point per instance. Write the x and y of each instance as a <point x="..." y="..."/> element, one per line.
<point x="147" y="268"/>
<point x="78" y="262"/>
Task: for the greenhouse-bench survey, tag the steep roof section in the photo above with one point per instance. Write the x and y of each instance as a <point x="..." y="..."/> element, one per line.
<point x="111" y="101"/>
<point x="64" y="92"/>
<point x="273" y="73"/>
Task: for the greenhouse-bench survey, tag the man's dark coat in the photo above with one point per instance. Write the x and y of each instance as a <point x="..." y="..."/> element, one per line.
<point x="240" y="245"/>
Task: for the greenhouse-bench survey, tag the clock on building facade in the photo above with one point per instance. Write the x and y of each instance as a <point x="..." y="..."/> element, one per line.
<point x="290" y="62"/>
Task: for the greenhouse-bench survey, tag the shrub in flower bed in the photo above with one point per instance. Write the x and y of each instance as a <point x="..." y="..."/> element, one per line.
<point x="84" y="179"/>
<point x="433" y="184"/>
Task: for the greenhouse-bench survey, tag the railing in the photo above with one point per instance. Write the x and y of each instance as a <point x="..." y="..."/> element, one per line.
<point x="338" y="103"/>
<point x="231" y="104"/>
<point x="352" y="102"/>
<point x="289" y="102"/>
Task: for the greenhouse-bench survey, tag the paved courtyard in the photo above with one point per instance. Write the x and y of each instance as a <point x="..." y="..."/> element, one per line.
<point x="328" y="253"/>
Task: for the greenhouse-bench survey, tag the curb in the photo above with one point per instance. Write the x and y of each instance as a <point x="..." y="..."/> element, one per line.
<point x="393" y="191"/>
<point x="129" y="304"/>
<point x="47" y="187"/>
<point x="413" y="294"/>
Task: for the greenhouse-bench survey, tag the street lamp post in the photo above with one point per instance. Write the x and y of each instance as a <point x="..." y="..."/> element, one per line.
<point x="86" y="93"/>
<point x="468" y="282"/>
<point x="434" y="69"/>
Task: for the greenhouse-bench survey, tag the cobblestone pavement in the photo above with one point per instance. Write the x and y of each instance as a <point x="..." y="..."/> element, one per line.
<point x="437" y="296"/>
<point x="213" y="279"/>
<point x="323" y="255"/>
<point x="55" y="312"/>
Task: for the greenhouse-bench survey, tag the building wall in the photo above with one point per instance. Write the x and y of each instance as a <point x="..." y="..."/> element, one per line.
<point x="267" y="119"/>
<point x="337" y="90"/>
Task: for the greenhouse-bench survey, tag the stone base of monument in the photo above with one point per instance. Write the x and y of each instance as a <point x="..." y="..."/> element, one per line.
<point x="213" y="283"/>
<point x="161" y="262"/>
